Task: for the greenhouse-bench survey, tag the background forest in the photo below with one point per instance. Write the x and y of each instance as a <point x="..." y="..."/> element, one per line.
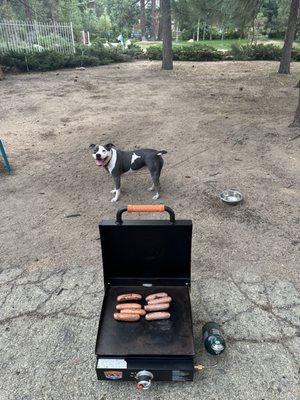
<point x="191" y="19"/>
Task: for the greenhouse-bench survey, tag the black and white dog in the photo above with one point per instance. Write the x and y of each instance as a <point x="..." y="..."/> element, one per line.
<point x="118" y="162"/>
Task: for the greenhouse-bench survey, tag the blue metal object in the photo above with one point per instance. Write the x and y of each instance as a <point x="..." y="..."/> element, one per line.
<point x="5" y="158"/>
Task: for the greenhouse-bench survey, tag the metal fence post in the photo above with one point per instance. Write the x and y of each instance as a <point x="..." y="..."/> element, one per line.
<point x="72" y="36"/>
<point x="36" y="32"/>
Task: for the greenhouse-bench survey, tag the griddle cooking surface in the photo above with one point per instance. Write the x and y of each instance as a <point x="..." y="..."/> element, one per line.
<point x="171" y="337"/>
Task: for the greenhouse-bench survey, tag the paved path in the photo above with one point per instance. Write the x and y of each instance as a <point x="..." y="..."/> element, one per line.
<point x="49" y="322"/>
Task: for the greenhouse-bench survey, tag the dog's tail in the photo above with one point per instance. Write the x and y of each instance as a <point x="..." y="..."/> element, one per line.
<point x="160" y="153"/>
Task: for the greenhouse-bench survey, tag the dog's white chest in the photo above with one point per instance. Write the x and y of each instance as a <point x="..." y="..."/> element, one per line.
<point x="112" y="162"/>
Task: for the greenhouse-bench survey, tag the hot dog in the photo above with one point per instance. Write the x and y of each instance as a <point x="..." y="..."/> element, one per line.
<point x="156" y="296"/>
<point x="166" y="299"/>
<point x="126" y="317"/>
<point x="157" y="315"/>
<point x="133" y="311"/>
<point x="157" y="307"/>
<point x="129" y="296"/>
<point x="130" y="306"/>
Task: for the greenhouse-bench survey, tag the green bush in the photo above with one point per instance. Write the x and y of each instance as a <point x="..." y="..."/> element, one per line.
<point x="50" y="60"/>
<point x="192" y="52"/>
<point x="47" y="61"/>
<point x="296" y="55"/>
<point x="154" y="52"/>
<point x="187" y="33"/>
<point x="114" y="54"/>
<point x="255" y="52"/>
<point x="196" y="52"/>
<point x="134" y="51"/>
<point x="200" y="52"/>
<point x="277" y="35"/>
<point x="98" y="54"/>
<point x="233" y="33"/>
<point x="52" y="41"/>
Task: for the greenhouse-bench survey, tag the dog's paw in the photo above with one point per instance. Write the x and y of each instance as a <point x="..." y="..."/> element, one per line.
<point x="114" y="199"/>
<point x="113" y="191"/>
<point x="150" y="189"/>
<point x="156" y="196"/>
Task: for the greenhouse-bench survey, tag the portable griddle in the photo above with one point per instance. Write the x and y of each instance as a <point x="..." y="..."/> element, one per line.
<point x="146" y="256"/>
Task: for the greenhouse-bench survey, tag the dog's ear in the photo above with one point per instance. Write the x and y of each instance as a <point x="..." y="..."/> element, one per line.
<point x="92" y="146"/>
<point x="109" y="146"/>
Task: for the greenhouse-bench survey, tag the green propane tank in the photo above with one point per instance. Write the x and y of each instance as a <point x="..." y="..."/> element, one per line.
<point x="213" y="339"/>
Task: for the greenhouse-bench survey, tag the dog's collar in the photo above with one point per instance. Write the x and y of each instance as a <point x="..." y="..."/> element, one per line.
<point x="107" y="161"/>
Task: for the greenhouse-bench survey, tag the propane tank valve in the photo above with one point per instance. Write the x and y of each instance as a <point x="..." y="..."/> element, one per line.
<point x="144" y="380"/>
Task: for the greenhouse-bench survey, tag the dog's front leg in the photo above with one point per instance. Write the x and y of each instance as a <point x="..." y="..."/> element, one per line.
<point x="117" y="191"/>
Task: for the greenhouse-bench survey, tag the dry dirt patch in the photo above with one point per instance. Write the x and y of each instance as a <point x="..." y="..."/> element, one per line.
<point x="223" y="124"/>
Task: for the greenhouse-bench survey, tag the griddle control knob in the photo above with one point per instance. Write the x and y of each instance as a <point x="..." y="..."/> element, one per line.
<point x="144" y="379"/>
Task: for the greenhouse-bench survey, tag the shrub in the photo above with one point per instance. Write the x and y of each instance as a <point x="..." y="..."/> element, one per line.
<point x="50" y="60"/>
<point x="47" y="61"/>
<point x="256" y="52"/>
<point x="277" y="35"/>
<point x="238" y="52"/>
<point x="13" y="60"/>
<point x="52" y="41"/>
<point x="187" y="34"/>
<point x="114" y="54"/>
<point x="296" y="55"/>
<point x="192" y="52"/>
<point x="266" y="52"/>
<point x="196" y="52"/>
<point x="154" y="52"/>
<point x="233" y="33"/>
<point x="200" y="52"/>
<point x="134" y="51"/>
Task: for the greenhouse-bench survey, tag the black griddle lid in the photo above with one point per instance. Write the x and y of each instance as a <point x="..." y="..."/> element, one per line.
<point x="140" y="252"/>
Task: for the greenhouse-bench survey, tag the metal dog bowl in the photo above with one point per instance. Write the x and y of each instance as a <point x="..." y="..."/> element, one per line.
<point x="231" y="196"/>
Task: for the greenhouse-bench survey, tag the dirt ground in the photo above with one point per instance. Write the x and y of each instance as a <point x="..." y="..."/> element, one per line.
<point x="223" y="124"/>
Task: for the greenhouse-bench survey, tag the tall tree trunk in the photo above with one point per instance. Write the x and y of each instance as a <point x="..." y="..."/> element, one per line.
<point x="167" y="61"/>
<point x="296" y="121"/>
<point x="253" y="30"/>
<point x="153" y="19"/>
<point x="143" y="20"/>
<point x="284" y="67"/>
<point x="27" y="9"/>
<point x="204" y="31"/>
<point x="159" y="33"/>
<point x="198" y="29"/>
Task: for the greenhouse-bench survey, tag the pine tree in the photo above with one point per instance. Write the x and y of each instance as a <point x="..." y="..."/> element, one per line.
<point x="284" y="67"/>
<point x="296" y="122"/>
<point x="6" y="10"/>
<point x="68" y="11"/>
<point x="167" y="62"/>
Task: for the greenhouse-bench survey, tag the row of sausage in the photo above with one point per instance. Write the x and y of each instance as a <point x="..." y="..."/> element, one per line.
<point x="157" y="304"/>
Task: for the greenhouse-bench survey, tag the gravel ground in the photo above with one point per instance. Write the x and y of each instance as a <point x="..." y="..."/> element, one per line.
<point x="224" y="125"/>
